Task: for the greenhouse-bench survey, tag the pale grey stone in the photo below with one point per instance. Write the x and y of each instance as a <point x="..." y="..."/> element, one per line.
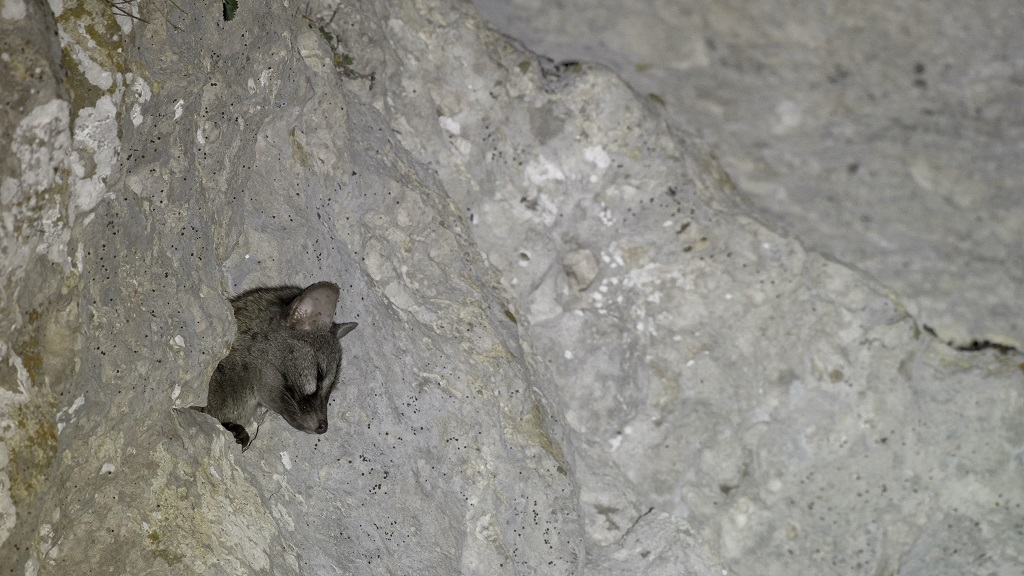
<point x="581" y="268"/>
<point x="717" y="398"/>
<point x="881" y="134"/>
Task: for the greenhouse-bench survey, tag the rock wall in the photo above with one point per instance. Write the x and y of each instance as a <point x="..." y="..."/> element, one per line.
<point x="882" y="134"/>
<point x="576" y="353"/>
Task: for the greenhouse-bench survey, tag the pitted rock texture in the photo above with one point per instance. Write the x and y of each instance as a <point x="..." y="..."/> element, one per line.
<point x="578" y="353"/>
<point x="883" y="135"/>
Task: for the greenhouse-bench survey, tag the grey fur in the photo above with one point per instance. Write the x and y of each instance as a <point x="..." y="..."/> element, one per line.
<point x="286" y="357"/>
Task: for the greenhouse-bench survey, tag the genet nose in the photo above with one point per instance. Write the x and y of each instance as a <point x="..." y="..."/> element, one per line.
<point x="321" y="427"/>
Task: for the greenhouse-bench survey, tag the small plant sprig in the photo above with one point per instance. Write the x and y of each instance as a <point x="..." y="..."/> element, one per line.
<point x="124" y="8"/>
<point x="342" y="61"/>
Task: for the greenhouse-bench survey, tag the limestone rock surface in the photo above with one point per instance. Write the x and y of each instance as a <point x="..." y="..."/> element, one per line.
<point x="883" y="135"/>
<point x="577" y="353"/>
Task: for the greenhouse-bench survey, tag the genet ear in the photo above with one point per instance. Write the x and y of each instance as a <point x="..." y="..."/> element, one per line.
<point x="342" y="329"/>
<point x="314" y="308"/>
